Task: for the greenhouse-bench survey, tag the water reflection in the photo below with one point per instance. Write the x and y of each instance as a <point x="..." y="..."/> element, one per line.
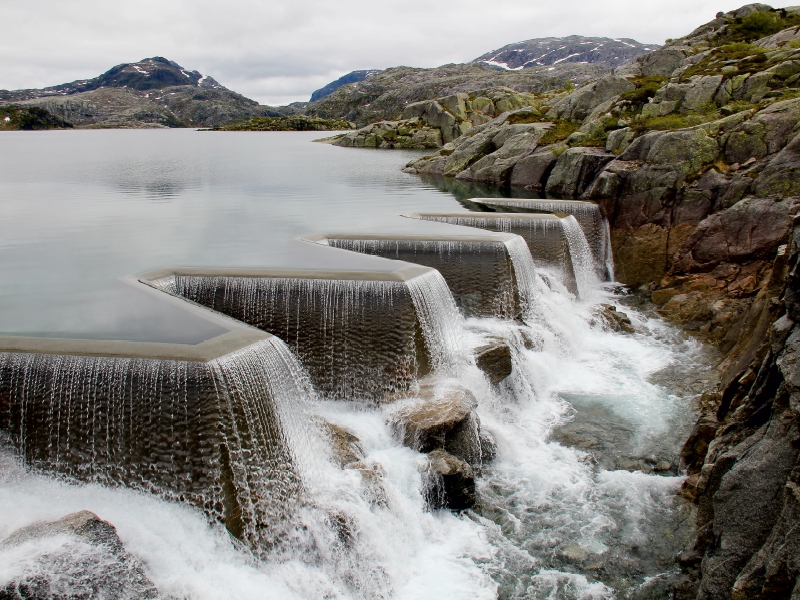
<point x="464" y="190"/>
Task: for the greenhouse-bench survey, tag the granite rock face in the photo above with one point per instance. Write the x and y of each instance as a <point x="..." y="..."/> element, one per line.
<point x="743" y="458"/>
<point x="434" y="123"/>
<point x="674" y="146"/>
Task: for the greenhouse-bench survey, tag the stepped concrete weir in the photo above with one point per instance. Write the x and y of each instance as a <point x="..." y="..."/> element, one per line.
<point x="479" y="269"/>
<point x="210" y="423"/>
<point x="544" y="234"/>
<point x="588" y="214"/>
<point x="360" y="334"/>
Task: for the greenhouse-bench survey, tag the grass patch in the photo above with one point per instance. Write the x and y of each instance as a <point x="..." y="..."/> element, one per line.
<point x="559" y="132"/>
<point x="761" y="24"/>
<point x="748" y="57"/>
<point x="525" y="117"/>
<point x="293" y="123"/>
<point x="646" y="88"/>
<point x="671" y="122"/>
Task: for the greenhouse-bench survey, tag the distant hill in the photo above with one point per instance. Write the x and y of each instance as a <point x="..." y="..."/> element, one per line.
<point x="351" y="77"/>
<point x="154" y="92"/>
<point x="157" y="92"/>
<point x="384" y="95"/>
<point x="544" y="52"/>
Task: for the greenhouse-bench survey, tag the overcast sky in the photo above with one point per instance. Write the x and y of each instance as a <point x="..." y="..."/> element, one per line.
<point x="280" y="52"/>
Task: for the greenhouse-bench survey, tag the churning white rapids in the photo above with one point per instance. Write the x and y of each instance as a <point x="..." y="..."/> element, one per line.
<point x="570" y="508"/>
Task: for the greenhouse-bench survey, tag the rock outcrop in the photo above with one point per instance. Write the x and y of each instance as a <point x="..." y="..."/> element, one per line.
<point x="742" y="458"/>
<point x="433" y="123"/>
<point x="89" y="561"/>
<point x="675" y="146"/>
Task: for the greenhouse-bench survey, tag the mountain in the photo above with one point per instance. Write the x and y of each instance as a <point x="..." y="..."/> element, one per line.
<point x="533" y="66"/>
<point x="351" y="77"/>
<point x="154" y="92"/>
<point x="384" y="95"/>
<point x="149" y="74"/>
<point x="545" y="52"/>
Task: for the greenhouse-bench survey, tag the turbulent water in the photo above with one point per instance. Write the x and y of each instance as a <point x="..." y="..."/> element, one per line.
<point x="554" y="520"/>
<point x="572" y="507"/>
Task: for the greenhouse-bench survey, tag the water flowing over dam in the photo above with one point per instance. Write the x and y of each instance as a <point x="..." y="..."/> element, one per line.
<point x="458" y="405"/>
<point x="594" y="226"/>
<point x="123" y="421"/>
<point x="544" y="234"/>
<point x="478" y="269"/>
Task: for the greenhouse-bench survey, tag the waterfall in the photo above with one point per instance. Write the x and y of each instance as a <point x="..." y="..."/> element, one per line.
<point x="440" y="320"/>
<point x="608" y="253"/>
<point x="544" y="234"/>
<point x="477" y="271"/>
<point x="357" y="338"/>
<point x="583" y="265"/>
<point x="220" y="435"/>
<point x="524" y="273"/>
<point x="588" y="214"/>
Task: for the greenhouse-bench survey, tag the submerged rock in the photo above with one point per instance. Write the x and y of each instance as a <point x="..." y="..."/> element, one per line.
<point x="348" y="453"/>
<point x="80" y="557"/>
<point x="449" y="482"/>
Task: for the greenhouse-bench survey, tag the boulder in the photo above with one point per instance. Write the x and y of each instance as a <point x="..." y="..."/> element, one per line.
<point x="512" y="143"/>
<point x="701" y="93"/>
<point x="346" y="448"/>
<point x="348" y="453"/>
<point x="456" y="105"/>
<point x="580" y="103"/>
<point x="440" y="416"/>
<point x="434" y="115"/>
<point x="619" y="139"/>
<point x="575" y="170"/>
<point x="532" y="171"/>
<point x="449" y="482"/>
<point x="495" y="361"/>
<point x="608" y="317"/>
<point x="661" y="63"/>
<point x="91" y="562"/>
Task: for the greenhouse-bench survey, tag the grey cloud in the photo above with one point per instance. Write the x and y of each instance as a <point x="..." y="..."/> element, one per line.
<point x="276" y="52"/>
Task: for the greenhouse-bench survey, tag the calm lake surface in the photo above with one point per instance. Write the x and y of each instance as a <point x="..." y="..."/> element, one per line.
<point x="82" y="208"/>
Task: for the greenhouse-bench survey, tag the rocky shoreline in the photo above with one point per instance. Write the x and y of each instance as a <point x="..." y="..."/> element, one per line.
<point x="693" y="153"/>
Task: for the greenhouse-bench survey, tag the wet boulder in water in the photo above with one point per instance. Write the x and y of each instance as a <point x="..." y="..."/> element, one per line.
<point x="80" y="557"/>
<point x="440" y="417"/>
<point x="495" y="361"/>
<point x="610" y="318"/>
<point x="348" y="453"/>
<point x="449" y="482"/>
<point x="346" y="448"/>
